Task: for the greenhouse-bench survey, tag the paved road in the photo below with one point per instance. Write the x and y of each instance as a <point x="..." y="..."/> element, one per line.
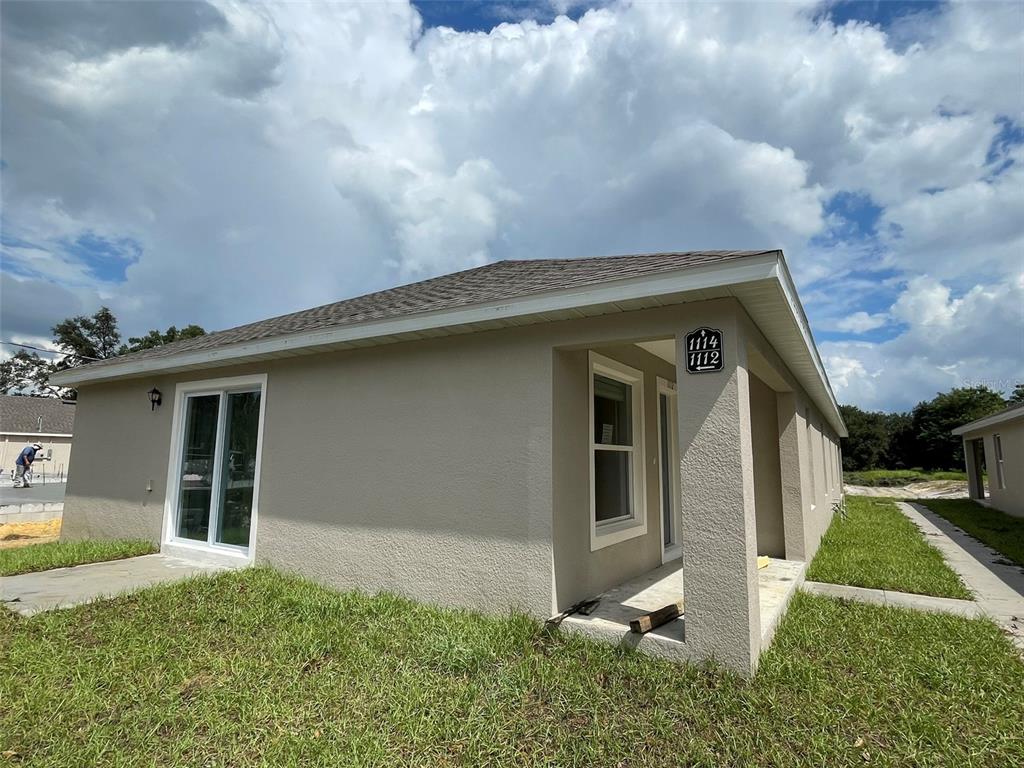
<point x="37" y="494"/>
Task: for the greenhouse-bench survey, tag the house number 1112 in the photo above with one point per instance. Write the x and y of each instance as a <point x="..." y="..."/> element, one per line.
<point x="704" y="350"/>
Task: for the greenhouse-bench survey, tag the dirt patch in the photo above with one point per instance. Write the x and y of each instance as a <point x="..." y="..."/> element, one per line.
<point x="22" y="534"/>
<point x="930" y="489"/>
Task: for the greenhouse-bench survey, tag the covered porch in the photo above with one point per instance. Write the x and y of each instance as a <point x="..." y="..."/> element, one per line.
<point x="687" y="452"/>
<point x="609" y="622"/>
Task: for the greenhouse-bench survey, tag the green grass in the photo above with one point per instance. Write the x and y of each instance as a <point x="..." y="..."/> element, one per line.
<point x="989" y="526"/>
<point x="61" y="554"/>
<point x="875" y="546"/>
<point x="890" y="478"/>
<point x="255" y="668"/>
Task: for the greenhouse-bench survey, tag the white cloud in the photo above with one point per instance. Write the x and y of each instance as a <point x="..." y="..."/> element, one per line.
<point x="977" y="338"/>
<point x="269" y="158"/>
<point x="862" y="322"/>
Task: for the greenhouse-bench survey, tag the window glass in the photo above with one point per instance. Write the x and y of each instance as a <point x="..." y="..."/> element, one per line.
<point x="197" y="465"/>
<point x="1000" y="476"/>
<point x="613" y="405"/>
<point x="612" y="485"/>
<point x="666" y="468"/>
<point x="238" y="468"/>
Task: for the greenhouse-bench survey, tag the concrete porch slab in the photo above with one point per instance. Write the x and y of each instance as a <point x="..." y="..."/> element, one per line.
<point x="32" y="593"/>
<point x="664" y="585"/>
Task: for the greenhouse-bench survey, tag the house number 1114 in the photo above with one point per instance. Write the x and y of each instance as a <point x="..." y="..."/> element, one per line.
<point x="704" y="351"/>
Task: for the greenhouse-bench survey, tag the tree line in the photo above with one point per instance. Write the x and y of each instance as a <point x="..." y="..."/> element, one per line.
<point x="922" y="437"/>
<point x="79" y="340"/>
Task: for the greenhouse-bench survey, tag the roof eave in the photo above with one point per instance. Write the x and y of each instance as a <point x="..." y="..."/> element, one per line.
<point x="693" y="278"/>
<point x="768" y="266"/>
<point x="990" y="421"/>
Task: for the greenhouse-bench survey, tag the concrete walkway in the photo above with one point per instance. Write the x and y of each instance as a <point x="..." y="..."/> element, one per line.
<point x="997" y="584"/>
<point x="32" y="593"/>
<point x="967" y="608"/>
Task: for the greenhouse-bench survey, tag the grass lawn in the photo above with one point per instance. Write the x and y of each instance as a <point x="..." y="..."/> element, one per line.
<point x="256" y="668"/>
<point x="875" y="546"/>
<point x="61" y="554"/>
<point x="990" y="526"/>
<point x="889" y="478"/>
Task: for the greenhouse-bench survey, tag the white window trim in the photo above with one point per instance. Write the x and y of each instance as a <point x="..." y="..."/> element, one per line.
<point x="674" y="550"/>
<point x="809" y="432"/>
<point x="997" y="445"/>
<point x="170" y="542"/>
<point x="616" y="531"/>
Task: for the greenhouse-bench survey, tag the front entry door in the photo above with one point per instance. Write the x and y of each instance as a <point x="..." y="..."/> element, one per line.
<point x="668" y="457"/>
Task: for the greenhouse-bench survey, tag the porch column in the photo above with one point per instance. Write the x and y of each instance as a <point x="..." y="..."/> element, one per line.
<point x="719" y="530"/>
<point x="795" y="482"/>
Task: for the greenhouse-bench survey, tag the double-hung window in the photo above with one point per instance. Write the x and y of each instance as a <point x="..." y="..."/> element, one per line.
<point x="617" y="509"/>
<point x="1000" y="474"/>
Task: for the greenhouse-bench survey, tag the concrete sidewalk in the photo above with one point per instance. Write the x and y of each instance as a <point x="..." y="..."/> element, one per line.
<point x="967" y="608"/>
<point x="32" y="593"/>
<point x="997" y="584"/>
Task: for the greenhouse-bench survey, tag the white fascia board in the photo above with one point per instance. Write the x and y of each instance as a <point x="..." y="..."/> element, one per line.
<point x="37" y="434"/>
<point x="793" y="298"/>
<point x="691" y="279"/>
<point x="990" y="421"/>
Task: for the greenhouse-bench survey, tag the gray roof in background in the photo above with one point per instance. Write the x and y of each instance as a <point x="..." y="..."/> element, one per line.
<point x="20" y="414"/>
<point x="1009" y="413"/>
<point x="500" y="281"/>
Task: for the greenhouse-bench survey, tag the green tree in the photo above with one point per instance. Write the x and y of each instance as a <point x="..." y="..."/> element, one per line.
<point x="156" y="339"/>
<point x="1017" y="396"/>
<point x="87" y="338"/>
<point x="26" y="373"/>
<point x="933" y="422"/>
<point x="868" y="444"/>
<point x="901" y="444"/>
<point x="80" y="339"/>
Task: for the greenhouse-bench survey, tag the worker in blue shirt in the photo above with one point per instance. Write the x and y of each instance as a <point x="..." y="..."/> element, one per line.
<point x="24" y="464"/>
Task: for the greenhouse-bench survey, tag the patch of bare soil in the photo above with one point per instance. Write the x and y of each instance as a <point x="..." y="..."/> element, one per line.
<point x="22" y="534"/>
<point x="931" y="489"/>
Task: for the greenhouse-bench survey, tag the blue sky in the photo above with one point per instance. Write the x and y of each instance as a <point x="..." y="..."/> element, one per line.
<point x="470" y="16"/>
<point x="218" y="164"/>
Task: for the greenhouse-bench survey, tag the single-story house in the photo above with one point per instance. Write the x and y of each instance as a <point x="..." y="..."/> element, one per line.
<point x="995" y="445"/>
<point x="522" y="435"/>
<point x="45" y="420"/>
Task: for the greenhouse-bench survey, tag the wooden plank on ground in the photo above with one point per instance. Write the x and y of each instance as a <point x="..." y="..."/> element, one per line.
<point x="655" y="619"/>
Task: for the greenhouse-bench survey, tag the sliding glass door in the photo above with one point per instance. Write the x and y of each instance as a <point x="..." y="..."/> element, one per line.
<point x="217" y="468"/>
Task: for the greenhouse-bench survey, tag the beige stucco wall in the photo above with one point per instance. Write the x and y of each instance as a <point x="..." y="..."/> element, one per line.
<point x="764" y="432"/>
<point x="808" y="448"/>
<point x="454" y="470"/>
<point x="52" y="466"/>
<point x="580" y="573"/>
<point x="1011" y="498"/>
<point x="422" y="469"/>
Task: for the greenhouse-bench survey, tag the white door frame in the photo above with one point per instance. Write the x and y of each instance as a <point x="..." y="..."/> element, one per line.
<point x="203" y="551"/>
<point x="673" y="550"/>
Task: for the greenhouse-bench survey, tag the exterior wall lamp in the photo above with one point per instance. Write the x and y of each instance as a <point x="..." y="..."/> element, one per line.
<point x="155" y="398"/>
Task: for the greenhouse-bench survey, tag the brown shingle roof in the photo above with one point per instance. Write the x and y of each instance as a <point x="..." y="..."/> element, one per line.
<point x="501" y="281"/>
<point x="23" y="415"/>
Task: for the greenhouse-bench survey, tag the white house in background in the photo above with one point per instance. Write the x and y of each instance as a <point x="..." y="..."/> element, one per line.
<point x="44" y="420"/>
<point x="994" y="445"/>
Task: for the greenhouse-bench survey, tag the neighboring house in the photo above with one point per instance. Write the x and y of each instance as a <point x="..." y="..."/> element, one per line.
<point x="520" y="435"/>
<point x="994" y="445"/>
<point x="44" y="420"/>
